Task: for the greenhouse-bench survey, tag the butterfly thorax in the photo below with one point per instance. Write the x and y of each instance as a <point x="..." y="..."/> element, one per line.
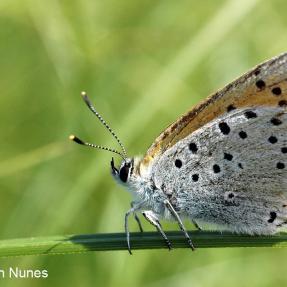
<point x="139" y="182"/>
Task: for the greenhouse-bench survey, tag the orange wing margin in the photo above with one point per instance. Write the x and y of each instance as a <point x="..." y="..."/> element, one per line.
<point x="264" y="85"/>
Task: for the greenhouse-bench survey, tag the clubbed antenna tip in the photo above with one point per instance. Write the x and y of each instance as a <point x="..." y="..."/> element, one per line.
<point x="76" y="139"/>
<point x="81" y="142"/>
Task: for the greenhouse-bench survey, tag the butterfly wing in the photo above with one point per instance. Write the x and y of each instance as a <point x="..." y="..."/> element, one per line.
<point x="265" y="85"/>
<point x="231" y="172"/>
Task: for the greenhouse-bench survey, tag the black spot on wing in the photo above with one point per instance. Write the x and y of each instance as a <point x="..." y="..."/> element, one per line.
<point x="224" y="128"/>
<point x="260" y="84"/>
<point x="276" y="91"/>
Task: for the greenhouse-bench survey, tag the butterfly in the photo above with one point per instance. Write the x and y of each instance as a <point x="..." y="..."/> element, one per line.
<point x="224" y="162"/>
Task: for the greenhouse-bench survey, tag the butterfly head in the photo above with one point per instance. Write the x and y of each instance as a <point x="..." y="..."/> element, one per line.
<point x="125" y="171"/>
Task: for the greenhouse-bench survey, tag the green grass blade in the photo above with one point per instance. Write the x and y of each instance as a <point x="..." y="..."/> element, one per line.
<point x="146" y="240"/>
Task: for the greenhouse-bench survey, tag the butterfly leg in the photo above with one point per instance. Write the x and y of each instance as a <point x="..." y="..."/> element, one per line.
<point x="137" y="218"/>
<point x="127" y="230"/>
<point x="135" y="207"/>
<point x="196" y="225"/>
<point x="152" y="219"/>
<point x="176" y="216"/>
<point x="139" y="222"/>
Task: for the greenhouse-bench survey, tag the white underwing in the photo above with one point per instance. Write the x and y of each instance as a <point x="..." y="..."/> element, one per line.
<point x="231" y="172"/>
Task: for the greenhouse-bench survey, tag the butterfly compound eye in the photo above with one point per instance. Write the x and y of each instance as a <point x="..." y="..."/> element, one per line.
<point x="125" y="171"/>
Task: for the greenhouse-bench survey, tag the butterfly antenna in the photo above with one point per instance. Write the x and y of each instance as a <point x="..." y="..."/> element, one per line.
<point x="81" y="142"/>
<point x="94" y="111"/>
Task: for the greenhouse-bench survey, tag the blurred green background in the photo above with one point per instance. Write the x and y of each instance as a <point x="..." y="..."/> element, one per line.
<point x="143" y="64"/>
